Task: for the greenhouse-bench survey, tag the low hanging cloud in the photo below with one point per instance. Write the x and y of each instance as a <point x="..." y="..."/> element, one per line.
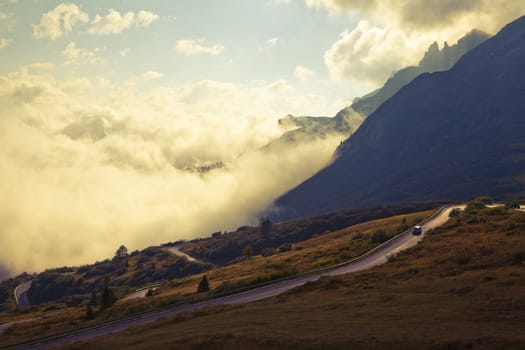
<point x="368" y="53"/>
<point x="191" y="47"/>
<point x="80" y="175"/>
<point x="394" y="34"/>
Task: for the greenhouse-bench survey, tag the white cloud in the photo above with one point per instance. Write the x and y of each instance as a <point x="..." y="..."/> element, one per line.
<point x="146" y="18"/>
<point x="394" y="34"/>
<point x="118" y="167"/>
<point x="115" y="22"/>
<point x="369" y="53"/>
<point x="303" y="73"/>
<point x="59" y="21"/>
<point x="112" y="23"/>
<point x="5" y="42"/>
<point x="75" y="55"/>
<point x="124" y="52"/>
<point x="272" y="42"/>
<point x="152" y="75"/>
<point x="191" y="47"/>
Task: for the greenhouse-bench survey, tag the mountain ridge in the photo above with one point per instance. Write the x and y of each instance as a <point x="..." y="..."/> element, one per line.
<point x="419" y="144"/>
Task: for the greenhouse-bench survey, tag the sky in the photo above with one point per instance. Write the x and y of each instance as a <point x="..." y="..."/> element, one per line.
<point x="108" y="107"/>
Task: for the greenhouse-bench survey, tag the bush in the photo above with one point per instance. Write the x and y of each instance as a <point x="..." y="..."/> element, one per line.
<point x="515" y="204"/>
<point x="519" y="257"/>
<point x="455" y="213"/>
<point x="285" y="247"/>
<point x="379" y="236"/>
<point x="463" y="258"/>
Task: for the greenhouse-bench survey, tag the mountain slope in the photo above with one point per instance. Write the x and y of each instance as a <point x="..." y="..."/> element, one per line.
<point x="446" y="135"/>
<point x="347" y="120"/>
<point x="433" y="61"/>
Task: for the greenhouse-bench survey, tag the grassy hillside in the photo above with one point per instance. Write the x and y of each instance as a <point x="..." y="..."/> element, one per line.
<point x="323" y="250"/>
<point x="462" y="288"/>
<point x="228" y="247"/>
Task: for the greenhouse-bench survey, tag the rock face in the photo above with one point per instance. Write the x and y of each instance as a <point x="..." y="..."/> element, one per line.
<point x="350" y="118"/>
<point x="450" y="135"/>
<point x="433" y="61"/>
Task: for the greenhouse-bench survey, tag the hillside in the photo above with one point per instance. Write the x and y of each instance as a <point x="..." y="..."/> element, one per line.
<point x="446" y="135"/>
<point x="462" y="288"/>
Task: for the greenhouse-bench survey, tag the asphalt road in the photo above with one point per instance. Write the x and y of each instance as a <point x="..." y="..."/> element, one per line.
<point x="373" y="258"/>
<point x="176" y="251"/>
<point x="21" y="294"/>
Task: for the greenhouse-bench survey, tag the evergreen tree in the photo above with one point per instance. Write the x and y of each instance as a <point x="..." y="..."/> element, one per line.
<point x="90" y="315"/>
<point x="204" y="285"/>
<point x="266" y="227"/>
<point x="108" y="298"/>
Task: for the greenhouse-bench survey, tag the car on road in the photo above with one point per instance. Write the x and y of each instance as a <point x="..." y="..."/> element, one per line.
<point x="417" y="230"/>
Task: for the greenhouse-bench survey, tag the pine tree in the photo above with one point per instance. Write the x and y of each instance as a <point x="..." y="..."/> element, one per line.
<point x="204" y="285"/>
<point x="108" y="298"/>
<point x="90" y="315"/>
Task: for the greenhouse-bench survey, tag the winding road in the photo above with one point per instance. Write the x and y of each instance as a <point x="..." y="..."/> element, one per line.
<point x="375" y="257"/>
<point x="21" y="294"/>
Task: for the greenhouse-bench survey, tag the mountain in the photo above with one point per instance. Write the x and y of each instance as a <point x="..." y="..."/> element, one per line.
<point x="449" y="135"/>
<point x="434" y="60"/>
<point x="349" y="118"/>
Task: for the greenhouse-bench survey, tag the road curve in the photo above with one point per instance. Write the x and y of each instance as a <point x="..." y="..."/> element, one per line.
<point x="21" y="294"/>
<point x="176" y="251"/>
<point x="375" y="257"/>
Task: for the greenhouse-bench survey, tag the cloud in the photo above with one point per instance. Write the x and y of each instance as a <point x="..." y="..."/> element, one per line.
<point x="76" y="56"/>
<point x="115" y="22"/>
<point x="369" y="53"/>
<point x="121" y="167"/>
<point x="303" y="73"/>
<point x="59" y="21"/>
<point x="190" y="47"/>
<point x="112" y="23"/>
<point x="428" y="15"/>
<point x="124" y="52"/>
<point x="394" y="34"/>
<point x="272" y="42"/>
<point x="5" y="42"/>
<point x="146" y="18"/>
<point x="152" y="75"/>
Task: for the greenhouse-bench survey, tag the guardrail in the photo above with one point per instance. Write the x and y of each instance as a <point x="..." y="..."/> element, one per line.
<point x="170" y="307"/>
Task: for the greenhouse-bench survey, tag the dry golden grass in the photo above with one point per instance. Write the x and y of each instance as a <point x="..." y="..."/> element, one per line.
<point x="462" y="288"/>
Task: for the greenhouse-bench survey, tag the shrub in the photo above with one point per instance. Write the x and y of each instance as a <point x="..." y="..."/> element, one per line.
<point x="515" y="204"/>
<point x="379" y="236"/>
<point x="90" y="315"/>
<point x="463" y="258"/>
<point x="286" y="247"/>
<point x="455" y="213"/>
<point x="519" y="257"/>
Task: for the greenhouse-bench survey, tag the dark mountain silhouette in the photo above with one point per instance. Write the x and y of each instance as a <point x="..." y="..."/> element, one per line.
<point x="449" y="135"/>
<point x="347" y="120"/>
<point x="433" y="61"/>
